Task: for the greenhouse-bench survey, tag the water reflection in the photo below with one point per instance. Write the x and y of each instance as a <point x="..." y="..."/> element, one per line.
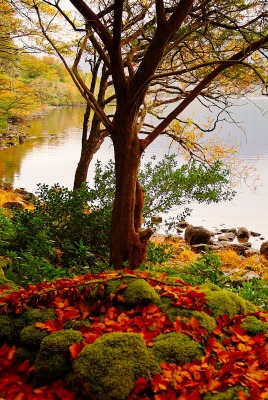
<point x="46" y="136"/>
<point x="52" y="153"/>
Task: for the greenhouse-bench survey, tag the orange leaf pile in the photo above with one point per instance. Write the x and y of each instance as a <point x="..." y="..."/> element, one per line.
<point x="231" y="357"/>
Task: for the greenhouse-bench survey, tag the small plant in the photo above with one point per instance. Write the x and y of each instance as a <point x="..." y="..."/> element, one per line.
<point x="159" y="253"/>
<point x="255" y="291"/>
<point x="207" y="268"/>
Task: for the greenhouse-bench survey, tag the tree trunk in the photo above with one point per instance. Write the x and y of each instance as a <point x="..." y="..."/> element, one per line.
<point x="128" y="241"/>
<point x="90" y="145"/>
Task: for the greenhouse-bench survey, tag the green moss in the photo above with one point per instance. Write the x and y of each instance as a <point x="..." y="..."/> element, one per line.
<point x="32" y="315"/>
<point x="176" y="348"/>
<point x="31" y="337"/>
<point x="53" y="360"/>
<point x="140" y="292"/>
<point x="229" y="394"/>
<point x="27" y="354"/>
<point x="110" y="366"/>
<point x="205" y="320"/>
<point x="77" y="324"/>
<point x="253" y="325"/>
<point x="210" y="286"/>
<point x="225" y="302"/>
<point x="10" y="327"/>
<point x="135" y="291"/>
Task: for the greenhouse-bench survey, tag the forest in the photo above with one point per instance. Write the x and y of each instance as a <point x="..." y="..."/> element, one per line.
<point x="29" y="81"/>
<point x="94" y="304"/>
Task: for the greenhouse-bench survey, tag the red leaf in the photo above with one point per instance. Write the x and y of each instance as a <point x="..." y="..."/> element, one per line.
<point x="75" y="349"/>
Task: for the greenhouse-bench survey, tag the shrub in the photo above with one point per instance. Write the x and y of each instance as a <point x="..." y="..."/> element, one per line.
<point x="255" y="291"/>
<point x="207" y="268"/>
<point x="159" y="253"/>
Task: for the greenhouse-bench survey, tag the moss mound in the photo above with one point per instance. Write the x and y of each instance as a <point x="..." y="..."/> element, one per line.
<point x="206" y="321"/>
<point x="110" y="366"/>
<point x="176" y="348"/>
<point x="32" y="315"/>
<point x="53" y="360"/>
<point x="129" y="292"/>
<point x="252" y="325"/>
<point x="31" y="337"/>
<point x="222" y="301"/>
<point x="77" y="324"/>
<point x="27" y="354"/>
<point x="10" y="327"/>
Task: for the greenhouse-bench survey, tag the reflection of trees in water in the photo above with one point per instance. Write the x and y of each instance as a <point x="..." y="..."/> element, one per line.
<point x="47" y="130"/>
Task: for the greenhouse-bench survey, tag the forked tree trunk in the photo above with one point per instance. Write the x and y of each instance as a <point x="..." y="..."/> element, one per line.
<point x="128" y="242"/>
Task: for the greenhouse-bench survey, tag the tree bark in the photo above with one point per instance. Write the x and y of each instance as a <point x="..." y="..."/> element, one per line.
<point x="90" y="146"/>
<point x="128" y="241"/>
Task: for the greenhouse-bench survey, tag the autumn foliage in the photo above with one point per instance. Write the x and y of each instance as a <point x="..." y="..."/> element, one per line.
<point x="234" y="361"/>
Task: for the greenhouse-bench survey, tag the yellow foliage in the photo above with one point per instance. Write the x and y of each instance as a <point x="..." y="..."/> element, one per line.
<point x="186" y="256"/>
<point x="229" y="258"/>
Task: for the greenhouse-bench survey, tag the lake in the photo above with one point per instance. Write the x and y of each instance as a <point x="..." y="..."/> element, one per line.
<point x="52" y="153"/>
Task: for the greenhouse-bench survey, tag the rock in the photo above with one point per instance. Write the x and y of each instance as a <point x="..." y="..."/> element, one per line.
<point x="255" y="234"/>
<point x="157" y="237"/>
<point x="264" y="250"/>
<point x="22" y="139"/>
<point x="14" y="204"/>
<point x="250" y="275"/>
<point x="183" y="224"/>
<point x="239" y="249"/>
<point x="243" y="234"/>
<point x="197" y="235"/>
<point x="156" y="219"/>
<point x="228" y="236"/>
<point x="227" y="230"/>
<point x="250" y="252"/>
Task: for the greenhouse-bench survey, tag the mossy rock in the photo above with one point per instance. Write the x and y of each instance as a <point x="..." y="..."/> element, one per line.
<point x="252" y="325"/>
<point x="176" y="348"/>
<point x="135" y="291"/>
<point x="10" y="327"/>
<point x="32" y="315"/>
<point x="53" y="360"/>
<point x="77" y="324"/>
<point x="27" y="354"/>
<point x="222" y="301"/>
<point x="206" y="321"/>
<point x="229" y="394"/>
<point x="110" y="366"/>
<point x="31" y="337"/>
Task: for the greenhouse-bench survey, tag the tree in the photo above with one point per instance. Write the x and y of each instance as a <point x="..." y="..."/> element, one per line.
<point x="154" y="54"/>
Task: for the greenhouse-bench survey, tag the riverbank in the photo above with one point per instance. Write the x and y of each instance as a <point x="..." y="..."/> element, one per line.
<point x="17" y="131"/>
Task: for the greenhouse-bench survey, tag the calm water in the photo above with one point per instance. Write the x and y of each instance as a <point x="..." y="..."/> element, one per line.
<point x="52" y="153"/>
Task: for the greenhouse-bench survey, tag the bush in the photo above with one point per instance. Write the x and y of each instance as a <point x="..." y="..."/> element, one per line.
<point x="67" y="231"/>
<point x="64" y="233"/>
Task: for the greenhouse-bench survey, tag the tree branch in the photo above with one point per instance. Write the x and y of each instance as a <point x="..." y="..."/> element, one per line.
<point x="239" y="56"/>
